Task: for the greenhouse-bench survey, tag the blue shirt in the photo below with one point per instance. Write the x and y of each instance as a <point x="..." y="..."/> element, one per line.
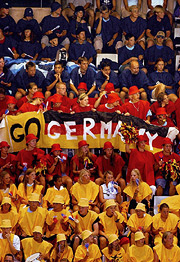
<point x="155" y="26"/>
<point x="28" y="48"/>
<point x="77" y="50"/>
<point x="88" y="78"/>
<point x="50" y="52"/>
<point x="124" y="53"/>
<point x="135" y="28"/>
<point x="113" y="78"/>
<point x="73" y="26"/>
<point x="127" y="79"/>
<point x="8" y="24"/>
<point x="22" y="25"/>
<point x="50" y="78"/>
<point x="8" y="42"/>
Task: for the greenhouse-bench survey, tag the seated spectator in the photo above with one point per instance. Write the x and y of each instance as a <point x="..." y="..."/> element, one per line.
<point x="126" y="9"/>
<point x="28" y="47"/>
<point x="140" y="221"/>
<point x="112" y="104"/>
<point x="162" y="222"/>
<point x="31" y="90"/>
<point x="105" y="193"/>
<point x="161" y="81"/>
<point x="137" y="191"/>
<point x="165" y="184"/>
<point x="56" y="189"/>
<point x="151" y="6"/>
<point x="6" y="78"/>
<point x="133" y="77"/>
<point x="137" y="107"/>
<point x="7" y="22"/>
<point x="61" y="250"/>
<point x="81" y="48"/>
<point x="55" y="23"/>
<point x="158" y="22"/>
<point x="162" y="119"/>
<point x="87" y="250"/>
<point x="28" y="20"/>
<point x="135" y="25"/>
<point x="8" y="46"/>
<point x="140" y="251"/>
<point x="103" y="96"/>
<point x="10" y="110"/>
<point x="55" y="77"/>
<point x="78" y="21"/>
<point x="85" y="74"/>
<point x="111" y="5"/>
<point x="85" y="188"/>
<point x="110" y="161"/>
<point x="55" y="104"/>
<point x="36" y="244"/>
<point x="106" y="27"/>
<point x="83" y="159"/>
<point x="130" y="52"/>
<point x="57" y="164"/>
<point x="106" y="75"/>
<point x="3" y="99"/>
<point x="26" y="76"/>
<point x="9" y="257"/>
<point x="10" y="243"/>
<point x="159" y="50"/>
<point x="8" y="211"/>
<point x="82" y="104"/>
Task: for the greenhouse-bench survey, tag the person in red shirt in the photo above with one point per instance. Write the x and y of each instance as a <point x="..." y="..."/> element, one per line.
<point x="10" y="110"/>
<point x="109" y="160"/>
<point x="32" y="88"/>
<point x="83" y="159"/>
<point x="82" y="104"/>
<point x="137" y="107"/>
<point x="112" y="104"/>
<point x="161" y="159"/>
<point x="55" y="104"/>
<point x="3" y="99"/>
<point x="162" y="119"/>
<point x="57" y="164"/>
<point x="7" y="161"/>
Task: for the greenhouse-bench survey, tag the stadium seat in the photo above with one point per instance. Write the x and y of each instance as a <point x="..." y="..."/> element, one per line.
<point x="177" y="61"/>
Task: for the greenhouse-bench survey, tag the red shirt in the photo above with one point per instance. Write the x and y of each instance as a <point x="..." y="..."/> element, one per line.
<point x="66" y="102"/>
<point x="104" y="108"/>
<point x="3" y="103"/>
<point x="13" y="160"/>
<point x="27" y="157"/>
<point x="21" y="101"/>
<point x="27" y="107"/>
<point x="168" y="120"/>
<point x="78" y="109"/>
<point x="50" y="161"/>
<point x="177" y="111"/>
<point x="11" y="113"/>
<point x="170" y="107"/>
<point x="90" y="99"/>
<point x="138" y="109"/>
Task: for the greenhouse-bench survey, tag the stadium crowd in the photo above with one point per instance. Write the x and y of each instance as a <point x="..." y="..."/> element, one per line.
<point x="92" y="205"/>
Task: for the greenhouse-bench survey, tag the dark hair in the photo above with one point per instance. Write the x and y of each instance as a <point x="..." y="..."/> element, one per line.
<point x="157" y="61"/>
<point x="30" y="64"/>
<point x="9" y="255"/>
<point x="108" y="172"/>
<point x="81" y="59"/>
<point x="31" y="85"/>
<point x="164" y="205"/>
<point x="128" y="36"/>
<point x="2" y="91"/>
<point x="59" y="63"/>
<point x="32" y="36"/>
<point x="104" y="8"/>
<point x="103" y="64"/>
<point x="160" y="98"/>
<point x="56" y="177"/>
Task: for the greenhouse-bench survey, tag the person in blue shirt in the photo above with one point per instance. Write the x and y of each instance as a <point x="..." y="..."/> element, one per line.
<point x="7" y="22"/>
<point x="81" y="48"/>
<point x="158" y="22"/>
<point x="85" y="74"/>
<point x="28" y="20"/>
<point x="55" y="76"/>
<point x="135" y="25"/>
<point x="106" y="75"/>
<point x="111" y="5"/>
<point x="107" y="39"/>
<point x="26" y="76"/>
<point x="55" y="23"/>
<point x="6" y="78"/>
<point x="8" y="46"/>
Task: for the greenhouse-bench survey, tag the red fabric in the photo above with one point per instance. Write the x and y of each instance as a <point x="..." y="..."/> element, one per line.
<point x="170" y="107"/>
<point x="21" y="101"/>
<point x="104" y="101"/>
<point x="78" y="109"/>
<point x="142" y="106"/>
<point x="90" y="99"/>
<point x="66" y="101"/>
<point x="2" y="41"/>
<point x="105" y="164"/>
<point x="177" y="111"/>
<point x="168" y="120"/>
<point x="25" y="156"/>
<point x="11" y="113"/>
<point x="13" y="160"/>
<point x="62" y="108"/>
<point x="50" y="161"/>
<point x="3" y="103"/>
<point x="144" y="161"/>
<point x="27" y="107"/>
<point x="103" y="108"/>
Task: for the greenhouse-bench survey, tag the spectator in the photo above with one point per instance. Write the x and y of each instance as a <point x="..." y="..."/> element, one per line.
<point x="6" y="78"/>
<point x="8" y="46"/>
<point x="151" y="5"/>
<point x="9" y="211"/>
<point x="10" y="110"/>
<point x="111" y="5"/>
<point x="3" y="99"/>
<point x="8" y="258"/>
<point x="161" y="119"/>
<point x="82" y="104"/>
<point x="7" y="22"/>
<point x="31" y="90"/>
<point x="126" y="10"/>
<point x="112" y="104"/>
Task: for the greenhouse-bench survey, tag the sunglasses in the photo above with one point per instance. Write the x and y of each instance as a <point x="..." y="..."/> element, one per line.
<point x="160" y="36"/>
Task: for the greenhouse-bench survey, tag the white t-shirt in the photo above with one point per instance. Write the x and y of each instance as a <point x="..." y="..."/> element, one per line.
<point x="106" y="193"/>
<point x="157" y="2"/>
<point x="16" y="242"/>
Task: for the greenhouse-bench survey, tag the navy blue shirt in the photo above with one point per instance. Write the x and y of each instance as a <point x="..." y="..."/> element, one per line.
<point x="50" y="78"/>
<point x="6" y="43"/>
<point x="135" y="28"/>
<point x="73" y="26"/>
<point x="155" y="26"/>
<point x="88" y="78"/>
<point x="100" y="79"/>
<point x="50" y="52"/>
<point x="124" y="53"/>
<point x="77" y="50"/>
<point x="8" y="77"/>
<point x="23" y="24"/>
<point x="28" y="48"/>
<point x="8" y="24"/>
<point x="127" y="79"/>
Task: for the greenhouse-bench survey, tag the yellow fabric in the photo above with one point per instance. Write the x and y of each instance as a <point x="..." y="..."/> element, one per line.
<point x="136" y="222"/>
<point x="89" y="191"/>
<point x="12" y="216"/>
<point x="58" y="228"/>
<point x="29" y="220"/>
<point x="85" y="222"/>
<point x="52" y="192"/>
<point x="178" y="189"/>
<point x="67" y="254"/>
<point x="109" y="224"/>
<point x="12" y="190"/>
<point x="119" y="255"/>
<point x="94" y="253"/>
<point x="21" y="191"/>
<point x="144" y="191"/>
<point x="169" y="225"/>
<point x="30" y="246"/>
<point x="4" y="247"/>
<point x="141" y="254"/>
<point x="173" y="203"/>
<point x="167" y="255"/>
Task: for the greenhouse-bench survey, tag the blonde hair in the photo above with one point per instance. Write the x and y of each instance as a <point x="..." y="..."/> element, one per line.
<point x="138" y="173"/>
<point x="82" y="173"/>
<point x="81" y="97"/>
<point x="133" y="7"/>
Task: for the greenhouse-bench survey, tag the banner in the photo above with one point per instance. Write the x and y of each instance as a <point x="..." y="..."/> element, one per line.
<point x="67" y="130"/>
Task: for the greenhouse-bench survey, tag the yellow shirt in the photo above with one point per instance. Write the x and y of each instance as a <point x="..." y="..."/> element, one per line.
<point x="94" y="253"/>
<point x="178" y="189"/>
<point x="109" y="224"/>
<point x="52" y="192"/>
<point x="30" y="246"/>
<point x="144" y="191"/>
<point x="21" y="191"/>
<point x="12" y="216"/>
<point x="167" y="255"/>
<point x="5" y="193"/>
<point x="173" y="203"/>
<point x="67" y="254"/>
<point x="119" y="256"/>
<point x="4" y="247"/>
<point x="136" y="222"/>
<point x="89" y="191"/>
<point x="141" y="254"/>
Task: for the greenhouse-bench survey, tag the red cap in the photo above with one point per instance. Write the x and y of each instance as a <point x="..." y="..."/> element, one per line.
<point x="82" y="143"/>
<point x="56" y="98"/>
<point x="55" y="147"/>
<point x="109" y="88"/>
<point x="82" y="85"/>
<point x="113" y="98"/>
<point x="11" y="100"/>
<point x="108" y="145"/>
<point x="133" y="90"/>
<point x="141" y="138"/>
<point x="167" y="140"/>
<point x="161" y="111"/>
<point x="30" y="137"/>
<point x="3" y="144"/>
<point x="38" y="95"/>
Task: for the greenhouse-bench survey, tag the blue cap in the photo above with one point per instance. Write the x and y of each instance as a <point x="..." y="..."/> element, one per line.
<point x="5" y="5"/>
<point x="28" y="12"/>
<point x="55" y="6"/>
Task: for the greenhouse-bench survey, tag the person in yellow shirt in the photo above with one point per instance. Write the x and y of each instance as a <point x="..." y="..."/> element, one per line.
<point x="36" y="244"/>
<point x="162" y="222"/>
<point x="140" y="252"/>
<point x="110" y="222"/>
<point x="85" y="220"/>
<point x="31" y="216"/>
<point x="166" y="251"/>
<point x="140" y="221"/>
<point x="6" y="212"/>
<point x="61" y="252"/>
<point x="87" y="251"/>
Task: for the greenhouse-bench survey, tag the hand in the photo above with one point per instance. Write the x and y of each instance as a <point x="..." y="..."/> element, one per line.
<point x="87" y="254"/>
<point x="60" y="111"/>
<point x="110" y="43"/>
<point x="8" y="236"/>
<point x="16" y="56"/>
<point x="140" y="57"/>
<point x="93" y="109"/>
<point x="161" y="229"/>
<point x="56" y="76"/>
<point x="56" y="159"/>
<point x="118" y="111"/>
<point x="100" y="17"/>
<point x="49" y="32"/>
<point x="115" y="215"/>
<point x="137" y="190"/>
<point x="127" y="114"/>
<point x="147" y="121"/>
<point x="58" y="35"/>
<point x="23" y="55"/>
<point x="106" y="75"/>
<point x="102" y="93"/>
